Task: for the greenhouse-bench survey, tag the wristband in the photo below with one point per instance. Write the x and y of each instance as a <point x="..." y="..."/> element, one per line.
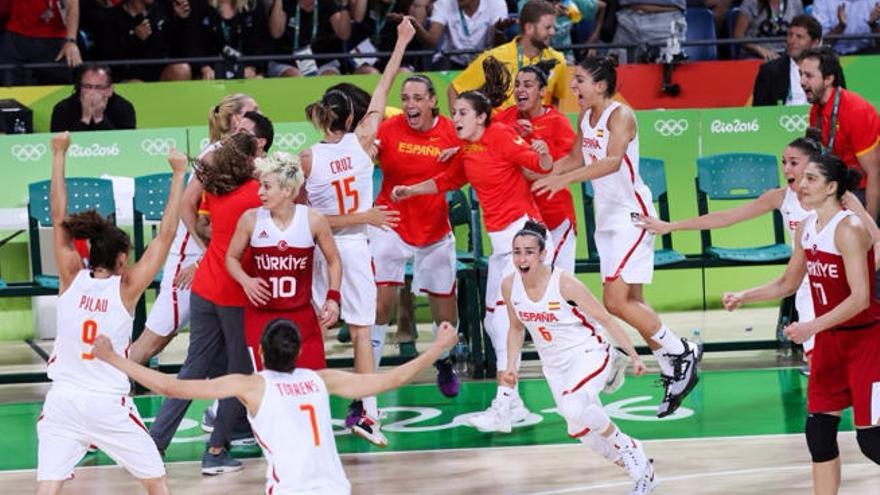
<point x="333" y="295"/>
<point x="70" y="40"/>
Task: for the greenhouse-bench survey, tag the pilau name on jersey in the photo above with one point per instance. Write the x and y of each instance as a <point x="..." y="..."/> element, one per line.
<point x="543" y="317"/>
<point x="418" y="149"/>
<point x="297" y="388"/>
<point x="289" y="262"/>
<point x="93" y="304"/>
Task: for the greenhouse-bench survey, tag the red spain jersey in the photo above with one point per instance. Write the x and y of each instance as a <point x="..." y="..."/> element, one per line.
<point x="283" y="258"/>
<point x="827" y="273"/>
<point x="407" y="157"/>
<point x="492" y="165"/>
<point x="858" y="128"/>
<point x="212" y="281"/>
<point x="554" y="128"/>
<point x="37" y="18"/>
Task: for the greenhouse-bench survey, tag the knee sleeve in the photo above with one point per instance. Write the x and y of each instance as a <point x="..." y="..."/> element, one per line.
<point x="821" y="431"/>
<point x="869" y="442"/>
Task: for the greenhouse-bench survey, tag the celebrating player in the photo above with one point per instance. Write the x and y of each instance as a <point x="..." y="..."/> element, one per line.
<point x="609" y="157"/>
<point x="288" y="406"/>
<point x="835" y="251"/>
<point x="491" y="160"/>
<point x="559" y="312"/>
<point x="409" y="145"/>
<point x="88" y="402"/>
<point x="280" y="238"/>
<point x="339" y="184"/>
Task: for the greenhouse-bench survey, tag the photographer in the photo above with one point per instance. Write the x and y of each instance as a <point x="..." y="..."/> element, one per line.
<point x="93" y="106"/>
<point x="765" y="19"/>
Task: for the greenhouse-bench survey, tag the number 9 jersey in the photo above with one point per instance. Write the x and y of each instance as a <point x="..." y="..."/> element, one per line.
<point x="88" y="307"/>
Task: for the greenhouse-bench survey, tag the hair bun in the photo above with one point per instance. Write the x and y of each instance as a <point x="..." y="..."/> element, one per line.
<point x="612" y="60"/>
<point x="536" y="227"/>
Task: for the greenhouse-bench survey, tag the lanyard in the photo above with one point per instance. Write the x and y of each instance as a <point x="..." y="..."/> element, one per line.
<point x="834" y="109"/>
<point x="777" y="14"/>
<point x="296" y="26"/>
<point x="519" y="57"/>
<point x="463" y="23"/>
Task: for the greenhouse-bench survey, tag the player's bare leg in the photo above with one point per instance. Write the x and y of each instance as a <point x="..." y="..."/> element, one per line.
<point x="52" y="487"/>
<point x="826" y="477"/>
<point x="363" y="415"/>
<point x="156" y="486"/>
<point x="386" y="295"/>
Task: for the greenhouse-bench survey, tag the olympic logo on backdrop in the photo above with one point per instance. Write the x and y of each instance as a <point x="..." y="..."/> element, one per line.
<point x="28" y="152"/>
<point x="158" y="146"/>
<point x="794" y="123"/>
<point x="671" y="127"/>
<point x="290" y="140"/>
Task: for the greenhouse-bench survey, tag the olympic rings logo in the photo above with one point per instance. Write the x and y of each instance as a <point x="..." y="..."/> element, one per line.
<point x="794" y="123"/>
<point x="28" y="152"/>
<point x="158" y="146"/>
<point x="671" y="127"/>
<point x="290" y="141"/>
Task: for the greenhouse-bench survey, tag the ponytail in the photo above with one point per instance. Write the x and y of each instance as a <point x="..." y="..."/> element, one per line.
<point x="497" y="81"/>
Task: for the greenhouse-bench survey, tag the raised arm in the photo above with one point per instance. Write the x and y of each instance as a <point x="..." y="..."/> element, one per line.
<point x="574" y="290"/>
<point x="142" y="273"/>
<point x="353" y="386"/>
<point x="324" y="239"/>
<point x="66" y="258"/>
<point x="766" y="202"/>
<point x="369" y="125"/>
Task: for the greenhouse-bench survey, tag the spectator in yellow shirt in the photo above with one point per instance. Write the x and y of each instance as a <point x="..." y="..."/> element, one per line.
<point x="537" y="21"/>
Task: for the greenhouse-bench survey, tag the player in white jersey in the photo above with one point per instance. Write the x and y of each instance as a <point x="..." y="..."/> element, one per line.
<point x="288" y="407"/>
<point x="609" y="157"/>
<point x="339" y="184"/>
<point x="88" y="402"/>
<point x="794" y="160"/>
<point x="560" y="313"/>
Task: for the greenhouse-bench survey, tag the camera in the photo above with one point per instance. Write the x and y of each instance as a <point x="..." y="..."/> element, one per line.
<point x="773" y="27"/>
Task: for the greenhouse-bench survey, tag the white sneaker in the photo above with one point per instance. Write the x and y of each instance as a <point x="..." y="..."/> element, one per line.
<point x="637" y="464"/>
<point x="619" y="362"/>
<point x="497" y="418"/>
<point x="646" y="483"/>
<point x="370" y="430"/>
<point x="518" y="410"/>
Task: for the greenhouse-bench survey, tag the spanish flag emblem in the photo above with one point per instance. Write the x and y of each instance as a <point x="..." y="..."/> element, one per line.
<point x="600" y="133"/>
<point x="553" y="306"/>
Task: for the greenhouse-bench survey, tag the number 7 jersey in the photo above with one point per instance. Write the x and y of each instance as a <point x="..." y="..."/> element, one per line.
<point x="341" y="181"/>
<point x="88" y="307"/>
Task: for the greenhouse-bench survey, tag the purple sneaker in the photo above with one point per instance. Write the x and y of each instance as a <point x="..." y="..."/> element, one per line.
<point x="355" y="412"/>
<point x="447" y="380"/>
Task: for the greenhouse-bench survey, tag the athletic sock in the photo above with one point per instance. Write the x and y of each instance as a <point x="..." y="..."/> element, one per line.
<point x="377" y="341"/>
<point x="669" y="342"/>
<point x="664" y="361"/>
<point x="371" y="407"/>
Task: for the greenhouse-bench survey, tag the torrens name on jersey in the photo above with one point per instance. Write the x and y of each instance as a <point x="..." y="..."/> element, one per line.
<point x="418" y="149"/>
<point x="298" y="388"/>
<point x="341" y="165"/>
<point x="269" y="262"/>
<point x="93" y="304"/>
<point x="591" y="143"/>
<point x="543" y="317"/>
<point x="819" y="269"/>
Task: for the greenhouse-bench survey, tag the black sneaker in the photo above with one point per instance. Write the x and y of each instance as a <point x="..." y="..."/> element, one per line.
<point x="214" y="464"/>
<point x="684" y="378"/>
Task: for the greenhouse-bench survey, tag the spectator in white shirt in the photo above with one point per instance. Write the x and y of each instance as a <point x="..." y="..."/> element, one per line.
<point x="463" y="25"/>
<point x="848" y="17"/>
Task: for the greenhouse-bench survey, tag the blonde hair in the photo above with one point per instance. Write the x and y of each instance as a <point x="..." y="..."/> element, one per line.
<point x="285" y="167"/>
<point x="220" y="116"/>
<point x="237" y="5"/>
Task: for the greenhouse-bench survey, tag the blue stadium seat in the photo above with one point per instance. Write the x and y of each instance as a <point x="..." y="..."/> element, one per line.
<point x="732" y="14"/>
<point x="700" y="26"/>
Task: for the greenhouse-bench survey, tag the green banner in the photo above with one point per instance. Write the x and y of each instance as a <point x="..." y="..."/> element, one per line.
<point x="292" y="137"/>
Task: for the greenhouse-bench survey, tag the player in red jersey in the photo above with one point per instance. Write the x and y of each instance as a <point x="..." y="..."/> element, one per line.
<point x="491" y="160"/>
<point x="409" y="145"/>
<point x="535" y="121"/>
<point x="278" y="241"/>
<point x="835" y="251"/>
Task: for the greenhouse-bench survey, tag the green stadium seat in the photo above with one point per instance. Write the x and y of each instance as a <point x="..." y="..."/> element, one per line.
<point x="150" y="195"/>
<point x="739" y="176"/>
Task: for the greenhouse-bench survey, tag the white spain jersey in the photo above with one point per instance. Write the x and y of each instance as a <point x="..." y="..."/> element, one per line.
<point x="88" y="307"/>
<point x="556" y="326"/>
<point x="293" y="426"/>
<point x="183" y="243"/>
<point x="621" y="194"/>
<point x="341" y="181"/>
<point x="792" y="215"/>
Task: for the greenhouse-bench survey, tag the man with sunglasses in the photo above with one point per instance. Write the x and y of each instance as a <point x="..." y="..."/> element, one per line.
<point x="93" y="106"/>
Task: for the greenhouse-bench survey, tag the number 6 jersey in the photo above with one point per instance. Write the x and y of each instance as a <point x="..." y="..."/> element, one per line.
<point x="88" y="307"/>
<point x="284" y="258"/>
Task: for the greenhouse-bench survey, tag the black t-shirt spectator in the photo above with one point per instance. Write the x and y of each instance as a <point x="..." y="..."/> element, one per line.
<point x="67" y="115"/>
<point x="120" y="40"/>
<point x="296" y="38"/>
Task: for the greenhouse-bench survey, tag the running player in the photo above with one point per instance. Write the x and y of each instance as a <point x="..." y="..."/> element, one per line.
<point x="785" y="199"/>
<point x="288" y="406"/>
<point x="491" y="160"/>
<point x="409" y="145"/>
<point x="279" y="239"/>
<point x="339" y="184"/>
<point x="835" y="251"/>
<point x="88" y="402"/>
<point x="609" y="157"/>
<point x="560" y="314"/>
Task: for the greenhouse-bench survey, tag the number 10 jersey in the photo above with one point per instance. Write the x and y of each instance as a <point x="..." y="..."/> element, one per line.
<point x="283" y="258"/>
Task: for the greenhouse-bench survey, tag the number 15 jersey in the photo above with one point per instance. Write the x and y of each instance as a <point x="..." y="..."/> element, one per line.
<point x="283" y="258"/>
<point x="88" y="307"/>
<point x="341" y="181"/>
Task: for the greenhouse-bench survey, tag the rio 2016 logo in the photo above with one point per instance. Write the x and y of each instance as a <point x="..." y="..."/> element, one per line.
<point x="93" y="150"/>
<point x="671" y="127"/>
<point x="736" y="126"/>
<point x="28" y="152"/>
